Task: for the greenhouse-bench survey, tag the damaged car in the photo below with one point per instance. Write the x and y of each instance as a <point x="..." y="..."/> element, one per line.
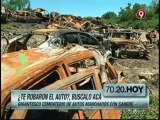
<point x="30" y="16"/>
<point x="127" y="44"/>
<point x="65" y="69"/>
<point x="54" y="39"/>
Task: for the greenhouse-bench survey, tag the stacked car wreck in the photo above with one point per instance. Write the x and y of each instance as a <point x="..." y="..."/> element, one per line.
<point x="128" y="42"/>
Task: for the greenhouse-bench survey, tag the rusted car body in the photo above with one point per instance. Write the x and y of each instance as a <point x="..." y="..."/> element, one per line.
<point x="58" y="20"/>
<point x="153" y="36"/>
<point x="30" y="16"/>
<point x="63" y="69"/>
<point x="53" y="38"/>
<point x="129" y="43"/>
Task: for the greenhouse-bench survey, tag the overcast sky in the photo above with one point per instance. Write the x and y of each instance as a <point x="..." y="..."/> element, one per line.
<point x="84" y="7"/>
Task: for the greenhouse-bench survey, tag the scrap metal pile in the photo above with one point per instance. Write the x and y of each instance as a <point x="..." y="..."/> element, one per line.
<point x="73" y="22"/>
<point x="123" y="41"/>
<point x="26" y="16"/>
<point x="32" y="16"/>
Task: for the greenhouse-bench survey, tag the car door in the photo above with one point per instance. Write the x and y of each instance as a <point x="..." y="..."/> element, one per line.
<point x="46" y="78"/>
<point x="93" y="82"/>
<point x="64" y="84"/>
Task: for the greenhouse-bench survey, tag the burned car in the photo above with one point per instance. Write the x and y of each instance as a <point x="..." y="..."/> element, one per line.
<point x="54" y="38"/>
<point x="153" y="36"/>
<point x="127" y="44"/>
<point x="30" y="16"/>
<point x="56" y="70"/>
<point x="134" y="51"/>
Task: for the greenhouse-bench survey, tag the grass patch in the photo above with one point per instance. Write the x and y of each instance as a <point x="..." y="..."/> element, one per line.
<point x="6" y="26"/>
<point x="151" y="113"/>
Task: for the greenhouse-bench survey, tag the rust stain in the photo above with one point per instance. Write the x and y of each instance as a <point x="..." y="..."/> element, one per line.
<point x="39" y="64"/>
<point x="12" y="59"/>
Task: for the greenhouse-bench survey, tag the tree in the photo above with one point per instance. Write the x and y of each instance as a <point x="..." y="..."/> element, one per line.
<point x="128" y="7"/>
<point x="20" y="4"/>
<point x="109" y="15"/>
<point x="127" y="16"/>
<point x="16" y="4"/>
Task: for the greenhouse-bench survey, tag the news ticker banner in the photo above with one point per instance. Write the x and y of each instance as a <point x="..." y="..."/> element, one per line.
<point x="112" y="96"/>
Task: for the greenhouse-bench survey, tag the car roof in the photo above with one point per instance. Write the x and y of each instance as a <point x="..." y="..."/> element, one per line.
<point x="11" y="63"/>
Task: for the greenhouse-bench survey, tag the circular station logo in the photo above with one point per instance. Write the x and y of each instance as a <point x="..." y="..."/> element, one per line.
<point x="141" y="14"/>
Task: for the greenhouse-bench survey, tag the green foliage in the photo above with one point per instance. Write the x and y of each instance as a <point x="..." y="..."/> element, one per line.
<point x="127" y="16"/>
<point x="20" y="4"/>
<point x="6" y="26"/>
<point x="110" y="20"/>
<point x="7" y="5"/>
<point x="110" y="17"/>
<point x="16" y="4"/>
<point x="151" y="113"/>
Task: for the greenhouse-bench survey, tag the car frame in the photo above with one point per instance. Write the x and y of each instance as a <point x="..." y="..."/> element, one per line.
<point x="53" y="35"/>
<point x="40" y="66"/>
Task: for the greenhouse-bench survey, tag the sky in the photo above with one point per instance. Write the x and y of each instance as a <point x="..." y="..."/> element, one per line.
<point x="84" y="8"/>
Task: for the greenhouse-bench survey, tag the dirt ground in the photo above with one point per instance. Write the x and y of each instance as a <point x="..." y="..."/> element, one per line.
<point x="20" y="28"/>
<point x="141" y="70"/>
